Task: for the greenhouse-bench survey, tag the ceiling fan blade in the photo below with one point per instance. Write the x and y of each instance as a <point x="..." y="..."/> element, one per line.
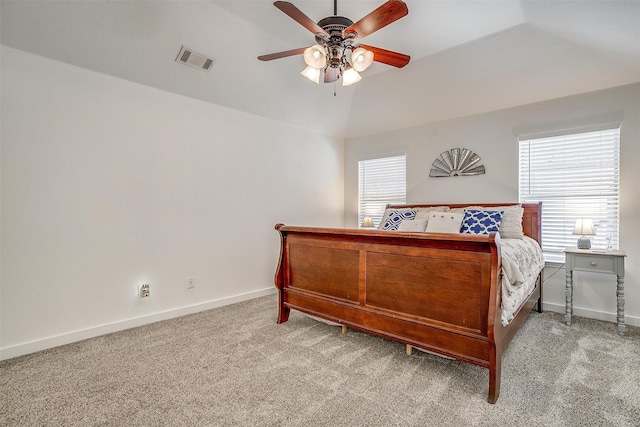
<point x="302" y="19"/>
<point x="331" y="74"/>
<point x="279" y="55"/>
<point x="389" y="12"/>
<point x="388" y="57"/>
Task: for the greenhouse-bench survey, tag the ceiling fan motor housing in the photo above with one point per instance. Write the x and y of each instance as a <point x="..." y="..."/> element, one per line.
<point x="336" y="44"/>
<point x="334" y="25"/>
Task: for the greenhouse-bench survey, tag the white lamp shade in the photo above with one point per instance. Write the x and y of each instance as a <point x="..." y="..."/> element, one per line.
<point x="315" y="57"/>
<point x="361" y="59"/>
<point x="350" y="76"/>
<point x="312" y="74"/>
<point x="584" y="227"/>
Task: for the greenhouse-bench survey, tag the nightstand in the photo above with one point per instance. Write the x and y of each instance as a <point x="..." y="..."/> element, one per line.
<point x="595" y="261"/>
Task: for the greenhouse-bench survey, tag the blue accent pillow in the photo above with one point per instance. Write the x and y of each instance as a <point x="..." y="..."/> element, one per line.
<point x="481" y="222"/>
<point x="396" y="217"/>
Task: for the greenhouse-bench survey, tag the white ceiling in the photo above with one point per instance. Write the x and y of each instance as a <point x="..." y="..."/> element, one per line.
<point x="467" y="56"/>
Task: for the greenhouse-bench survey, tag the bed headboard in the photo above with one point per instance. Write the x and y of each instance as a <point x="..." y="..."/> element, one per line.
<point x="531" y="218"/>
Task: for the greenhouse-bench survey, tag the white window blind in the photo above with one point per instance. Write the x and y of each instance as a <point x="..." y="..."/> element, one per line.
<point x="380" y="181"/>
<point x="574" y="176"/>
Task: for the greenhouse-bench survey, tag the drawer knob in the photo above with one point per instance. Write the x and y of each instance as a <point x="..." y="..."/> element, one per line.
<point x="593" y="263"/>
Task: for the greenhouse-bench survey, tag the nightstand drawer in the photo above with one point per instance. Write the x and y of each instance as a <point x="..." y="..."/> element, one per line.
<point x="595" y="263"/>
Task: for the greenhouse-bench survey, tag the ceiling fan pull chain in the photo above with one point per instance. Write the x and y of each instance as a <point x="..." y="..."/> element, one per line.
<point x="334" y="88"/>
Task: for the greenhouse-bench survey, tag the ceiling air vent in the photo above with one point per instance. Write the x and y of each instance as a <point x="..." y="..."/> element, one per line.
<point x="194" y="59"/>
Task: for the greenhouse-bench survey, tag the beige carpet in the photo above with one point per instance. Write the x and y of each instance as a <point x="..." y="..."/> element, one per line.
<point x="235" y="366"/>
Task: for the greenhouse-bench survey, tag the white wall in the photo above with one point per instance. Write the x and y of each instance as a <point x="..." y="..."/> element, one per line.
<point x="107" y="184"/>
<point x="493" y="136"/>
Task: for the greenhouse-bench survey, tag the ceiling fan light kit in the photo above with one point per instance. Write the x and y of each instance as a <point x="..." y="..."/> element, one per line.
<point x="315" y="57"/>
<point x="361" y="59"/>
<point x="350" y="76"/>
<point x="335" y="35"/>
<point x="312" y="74"/>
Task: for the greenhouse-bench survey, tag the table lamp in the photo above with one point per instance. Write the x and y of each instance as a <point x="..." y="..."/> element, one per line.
<point x="584" y="227"/>
<point x="367" y="222"/>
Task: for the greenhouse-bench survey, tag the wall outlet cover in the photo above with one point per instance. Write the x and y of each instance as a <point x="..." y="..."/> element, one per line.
<point x="143" y="290"/>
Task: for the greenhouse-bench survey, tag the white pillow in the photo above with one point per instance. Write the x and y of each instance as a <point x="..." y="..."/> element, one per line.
<point x="423" y="213"/>
<point x="444" y="222"/>
<point x="461" y="210"/>
<point x="511" y="225"/>
<point x="415" y="225"/>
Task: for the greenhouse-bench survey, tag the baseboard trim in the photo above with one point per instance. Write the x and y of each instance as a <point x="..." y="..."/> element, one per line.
<point x="68" y="338"/>
<point x="592" y="314"/>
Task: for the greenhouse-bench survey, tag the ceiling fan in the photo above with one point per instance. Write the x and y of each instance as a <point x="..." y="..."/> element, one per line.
<point x="335" y="35"/>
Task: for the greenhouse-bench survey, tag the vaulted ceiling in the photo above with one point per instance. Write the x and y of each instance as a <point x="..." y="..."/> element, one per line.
<point x="467" y="56"/>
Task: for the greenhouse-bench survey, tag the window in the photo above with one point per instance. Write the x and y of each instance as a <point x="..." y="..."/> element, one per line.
<point x="574" y="176"/>
<point x="380" y="181"/>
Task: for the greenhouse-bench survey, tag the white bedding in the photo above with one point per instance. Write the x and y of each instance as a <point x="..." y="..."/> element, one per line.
<point x="522" y="261"/>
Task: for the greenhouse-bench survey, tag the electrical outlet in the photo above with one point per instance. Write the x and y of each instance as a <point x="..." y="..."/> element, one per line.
<point x="191" y="282"/>
<point x="143" y="290"/>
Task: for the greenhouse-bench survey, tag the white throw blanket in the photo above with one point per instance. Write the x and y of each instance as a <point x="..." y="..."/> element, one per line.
<point x="522" y="261"/>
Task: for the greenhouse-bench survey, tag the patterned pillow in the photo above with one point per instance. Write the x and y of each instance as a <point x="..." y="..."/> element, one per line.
<point x="396" y="217"/>
<point x="387" y="214"/>
<point x="481" y="222"/>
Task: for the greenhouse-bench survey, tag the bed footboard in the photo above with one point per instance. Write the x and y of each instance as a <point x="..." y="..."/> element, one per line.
<point x="437" y="292"/>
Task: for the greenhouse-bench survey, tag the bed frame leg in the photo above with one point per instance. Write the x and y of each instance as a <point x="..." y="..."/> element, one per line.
<point x="409" y="350"/>
<point x="494" y="381"/>
<point x="283" y="312"/>
<point x="344" y="330"/>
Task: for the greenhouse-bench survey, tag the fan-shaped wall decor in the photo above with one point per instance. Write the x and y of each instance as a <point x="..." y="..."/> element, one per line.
<point x="457" y="162"/>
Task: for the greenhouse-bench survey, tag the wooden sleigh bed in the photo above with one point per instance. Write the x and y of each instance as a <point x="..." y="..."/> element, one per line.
<point x="436" y="292"/>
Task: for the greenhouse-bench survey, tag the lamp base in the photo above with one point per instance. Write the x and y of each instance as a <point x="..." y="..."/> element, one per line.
<point x="584" y="243"/>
